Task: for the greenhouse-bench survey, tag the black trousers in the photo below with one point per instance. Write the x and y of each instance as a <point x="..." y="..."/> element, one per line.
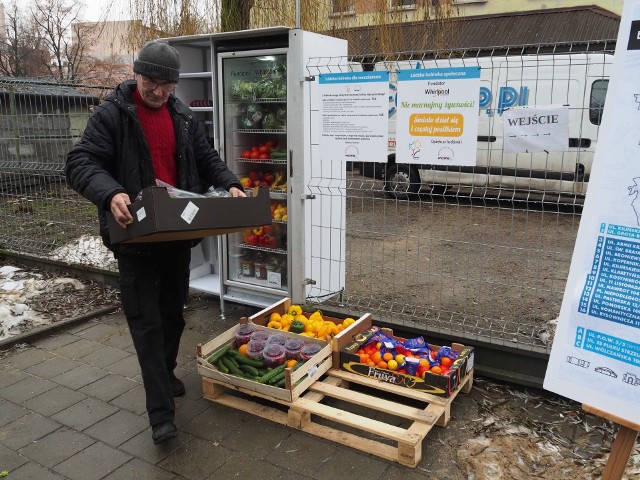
<point x="154" y="280"/>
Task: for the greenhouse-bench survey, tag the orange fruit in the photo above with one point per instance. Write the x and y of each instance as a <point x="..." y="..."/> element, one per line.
<point x="371" y="364"/>
<point x="424" y="362"/>
<point x="243" y="349"/>
<point x="291" y="362"/>
<point x="392" y="365"/>
<point x="376" y="357"/>
<point x="382" y="364"/>
<point x="445" y="362"/>
<point x="436" y="369"/>
<point x="364" y="358"/>
<point x="387" y="356"/>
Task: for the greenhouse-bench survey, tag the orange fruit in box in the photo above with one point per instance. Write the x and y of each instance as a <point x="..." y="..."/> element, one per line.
<point x="387" y="356"/>
<point x="436" y="370"/>
<point x="445" y="362"/>
<point x="243" y="349"/>
<point x="382" y="364"/>
<point x="376" y="357"/>
<point x="424" y="362"/>
<point x="371" y="364"/>
<point x="364" y="358"/>
<point x="392" y="365"/>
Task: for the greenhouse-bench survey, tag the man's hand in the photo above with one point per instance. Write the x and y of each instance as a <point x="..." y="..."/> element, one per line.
<point x="236" y="192"/>
<point x="119" y="209"/>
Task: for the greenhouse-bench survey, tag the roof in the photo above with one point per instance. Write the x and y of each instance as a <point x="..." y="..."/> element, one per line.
<point x="41" y="88"/>
<point x="581" y="25"/>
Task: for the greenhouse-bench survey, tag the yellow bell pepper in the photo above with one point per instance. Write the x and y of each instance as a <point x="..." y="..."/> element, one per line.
<point x="295" y="310"/>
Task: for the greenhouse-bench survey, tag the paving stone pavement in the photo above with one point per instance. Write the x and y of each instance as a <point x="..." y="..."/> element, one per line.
<point x="72" y="407"/>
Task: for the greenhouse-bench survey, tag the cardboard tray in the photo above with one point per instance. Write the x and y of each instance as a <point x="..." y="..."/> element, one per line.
<point x="347" y="343"/>
<point x="360" y="325"/>
<point x="307" y="374"/>
<point x="157" y="217"/>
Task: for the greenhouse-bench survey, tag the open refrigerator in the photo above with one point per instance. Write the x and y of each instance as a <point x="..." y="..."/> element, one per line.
<point x="254" y="92"/>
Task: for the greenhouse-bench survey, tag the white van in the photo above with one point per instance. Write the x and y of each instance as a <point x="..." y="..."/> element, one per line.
<point x="578" y="80"/>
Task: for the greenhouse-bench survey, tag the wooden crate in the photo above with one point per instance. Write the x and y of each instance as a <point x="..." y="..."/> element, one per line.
<point x="295" y="382"/>
<point x="402" y="445"/>
<point x="282" y="307"/>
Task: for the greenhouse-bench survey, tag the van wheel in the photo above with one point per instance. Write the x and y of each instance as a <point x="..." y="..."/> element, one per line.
<point x="402" y="182"/>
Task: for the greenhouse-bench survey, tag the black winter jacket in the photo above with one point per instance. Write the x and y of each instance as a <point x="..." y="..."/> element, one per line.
<point x="113" y="155"/>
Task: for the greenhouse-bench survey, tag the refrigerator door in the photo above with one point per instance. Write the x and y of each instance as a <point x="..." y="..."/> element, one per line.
<point x="253" y="113"/>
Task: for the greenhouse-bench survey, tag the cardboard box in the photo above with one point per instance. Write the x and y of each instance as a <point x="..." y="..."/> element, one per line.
<point x="297" y="382"/>
<point x="157" y="217"/>
<point x="435" y="384"/>
<point x="282" y="307"/>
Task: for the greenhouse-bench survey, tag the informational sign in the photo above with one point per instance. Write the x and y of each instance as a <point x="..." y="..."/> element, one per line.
<point x="595" y="358"/>
<point x="353" y="112"/>
<point x="536" y="129"/>
<point x="437" y="120"/>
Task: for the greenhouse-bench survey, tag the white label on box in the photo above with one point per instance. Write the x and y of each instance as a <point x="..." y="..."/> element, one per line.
<point x="141" y="214"/>
<point x="470" y="361"/>
<point x="274" y="279"/>
<point x="312" y="371"/>
<point x="189" y="212"/>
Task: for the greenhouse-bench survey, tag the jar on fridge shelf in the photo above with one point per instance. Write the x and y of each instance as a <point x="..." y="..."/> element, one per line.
<point x="273" y="355"/>
<point x="260" y="266"/>
<point x="246" y="265"/>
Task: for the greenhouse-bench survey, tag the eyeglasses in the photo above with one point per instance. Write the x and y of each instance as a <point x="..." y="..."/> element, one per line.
<point x="167" y="87"/>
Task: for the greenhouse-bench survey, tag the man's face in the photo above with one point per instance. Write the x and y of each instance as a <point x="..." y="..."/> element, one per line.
<point x="154" y="92"/>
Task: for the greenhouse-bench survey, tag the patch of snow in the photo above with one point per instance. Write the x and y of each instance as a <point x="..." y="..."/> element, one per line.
<point x="86" y="250"/>
<point x="18" y="287"/>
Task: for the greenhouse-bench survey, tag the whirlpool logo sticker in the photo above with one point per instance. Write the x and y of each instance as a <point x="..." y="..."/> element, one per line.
<point x="445" y="154"/>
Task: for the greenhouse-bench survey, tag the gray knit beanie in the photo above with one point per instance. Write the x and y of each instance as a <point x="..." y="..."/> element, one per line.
<point x="158" y="60"/>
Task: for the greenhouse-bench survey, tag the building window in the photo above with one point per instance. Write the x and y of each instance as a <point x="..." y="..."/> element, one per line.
<point x="402" y="4"/>
<point x="339" y="7"/>
<point x="596" y="105"/>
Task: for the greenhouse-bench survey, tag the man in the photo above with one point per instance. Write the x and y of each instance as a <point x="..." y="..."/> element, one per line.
<point x="139" y="134"/>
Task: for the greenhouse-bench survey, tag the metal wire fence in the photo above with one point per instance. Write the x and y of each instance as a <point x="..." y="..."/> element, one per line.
<point x="41" y="216"/>
<point x="478" y="252"/>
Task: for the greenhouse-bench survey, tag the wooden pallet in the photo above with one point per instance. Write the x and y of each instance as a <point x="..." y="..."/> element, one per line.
<point x="406" y="443"/>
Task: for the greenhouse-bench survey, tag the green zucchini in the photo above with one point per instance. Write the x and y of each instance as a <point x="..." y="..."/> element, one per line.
<point x="232" y="359"/>
<point x="280" y="377"/>
<point x="233" y="369"/>
<point x="242" y="360"/>
<point x="250" y="370"/>
<point x="222" y="367"/>
<point x="213" y="359"/>
<point x="267" y="376"/>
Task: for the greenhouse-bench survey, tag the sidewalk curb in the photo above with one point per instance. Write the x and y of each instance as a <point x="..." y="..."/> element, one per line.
<point x="48" y="329"/>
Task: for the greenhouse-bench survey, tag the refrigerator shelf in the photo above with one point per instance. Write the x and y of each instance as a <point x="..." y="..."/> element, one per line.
<point x="262" y="130"/>
<point x="274" y="161"/>
<point x="256" y="100"/>
<point x="279" y="251"/>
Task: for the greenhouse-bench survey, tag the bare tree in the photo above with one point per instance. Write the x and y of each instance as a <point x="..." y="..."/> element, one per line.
<point x="53" y="19"/>
<point x="22" y="52"/>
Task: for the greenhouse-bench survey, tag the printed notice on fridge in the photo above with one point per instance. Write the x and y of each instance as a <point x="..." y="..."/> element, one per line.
<point x="353" y="112"/>
<point x="438" y="116"/>
<point x="595" y="356"/>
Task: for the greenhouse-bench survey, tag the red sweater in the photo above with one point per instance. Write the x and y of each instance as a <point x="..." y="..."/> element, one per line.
<point x="161" y="138"/>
